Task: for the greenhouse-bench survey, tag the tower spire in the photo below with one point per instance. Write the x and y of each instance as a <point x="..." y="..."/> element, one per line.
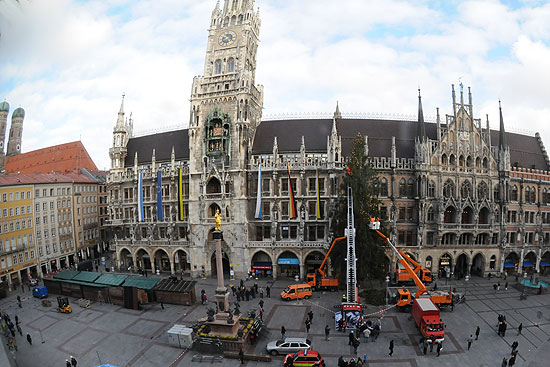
<point x="120" y="119"/>
<point x="421" y="134"/>
<point x="502" y="144"/>
<point x="337" y="114"/>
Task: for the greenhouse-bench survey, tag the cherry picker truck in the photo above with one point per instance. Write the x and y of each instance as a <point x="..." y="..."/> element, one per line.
<point x="405" y="299"/>
<point x="319" y="280"/>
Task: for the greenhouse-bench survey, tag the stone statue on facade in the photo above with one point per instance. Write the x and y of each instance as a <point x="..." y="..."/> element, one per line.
<point x="218" y="218"/>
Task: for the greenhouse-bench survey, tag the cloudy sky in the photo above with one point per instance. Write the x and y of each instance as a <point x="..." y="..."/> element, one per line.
<point x="67" y="62"/>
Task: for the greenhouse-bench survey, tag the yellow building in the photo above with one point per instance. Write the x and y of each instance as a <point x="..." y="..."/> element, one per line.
<point x="17" y="243"/>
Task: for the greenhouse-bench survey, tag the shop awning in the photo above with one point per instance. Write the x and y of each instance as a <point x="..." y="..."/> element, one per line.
<point x="262" y="265"/>
<point x="291" y="261"/>
<point x="111" y="279"/>
<point x="141" y="282"/>
<point x="509" y="265"/>
<point x="544" y="263"/>
<point x="527" y="263"/>
<point x="66" y="274"/>
<point x="87" y="276"/>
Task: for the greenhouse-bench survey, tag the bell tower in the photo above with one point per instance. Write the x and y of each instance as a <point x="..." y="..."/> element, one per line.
<point x="226" y="108"/>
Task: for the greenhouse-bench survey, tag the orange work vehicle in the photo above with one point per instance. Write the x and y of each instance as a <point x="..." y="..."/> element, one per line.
<point x="296" y="291"/>
<point x="319" y="279"/>
<point x="402" y="276"/>
<point x="405" y="299"/>
<point x="427" y="317"/>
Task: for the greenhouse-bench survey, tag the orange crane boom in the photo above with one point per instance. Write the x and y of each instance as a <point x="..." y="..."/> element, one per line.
<point x="322" y="266"/>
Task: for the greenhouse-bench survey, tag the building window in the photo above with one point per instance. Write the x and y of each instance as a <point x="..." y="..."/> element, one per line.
<point x="514" y="193"/>
<point x="265" y="186"/>
<point x="402" y="188"/>
<point x="383" y="187"/>
<point x="449" y="189"/>
<point x="218" y="67"/>
<point x="431" y="214"/>
<point x="431" y="189"/>
<point x="466" y="189"/>
<point x="231" y="65"/>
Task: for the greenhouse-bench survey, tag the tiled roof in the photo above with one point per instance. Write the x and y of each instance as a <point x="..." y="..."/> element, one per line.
<point x="58" y="158"/>
<point x="37" y="178"/>
<point x="162" y="143"/>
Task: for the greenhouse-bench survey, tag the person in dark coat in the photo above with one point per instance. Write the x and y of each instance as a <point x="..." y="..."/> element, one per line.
<point x="283" y="332"/>
<point x="308" y="325"/>
<point x="520" y="327"/>
<point x="439" y="347"/>
<point x="512" y="361"/>
<point x="504" y="362"/>
<point x="310" y="315"/>
<point x="477" y="332"/>
<point x="241" y="355"/>
<point x="391" y="348"/>
<point x="67" y="363"/>
<point x="29" y="339"/>
<point x="351" y="338"/>
<point x="268" y="292"/>
<point x="73" y="361"/>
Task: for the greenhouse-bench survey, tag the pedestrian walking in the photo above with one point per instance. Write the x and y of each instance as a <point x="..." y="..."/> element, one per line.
<point x="514" y="346"/>
<point x="439" y="347"/>
<point x="344" y="324"/>
<point x="504" y="362"/>
<point x="261" y="303"/>
<point x="261" y="291"/>
<point x="19" y="329"/>
<point x="498" y="286"/>
<point x="16" y="320"/>
<point x="73" y="361"/>
<point x="477" y="332"/>
<point x="241" y="355"/>
<point x="351" y="337"/>
<point x="520" y="327"/>
<point x="310" y="315"/>
<point x="162" y="304"/>
<point x="327" y="332"/>
<point x="432" y="342"/>
<point x="29" y="339"/>
<point x="283" y="332"/>
<point x="504" y="326"/>
<point x="506" y="286"/>
<point x="262" y="316"/>
<point x="425" y="349"/>
<point x="391" y="348"/>
<point x="67" y="363"/>
<point x="308" y="325"/>
<point x="355" y="345"/>
<point x="366" y="333"/>
<point x="22" y="288"/>
<point x="268" y="292"/>
<point x="19" y="301"/>
<point x="494" y="288"/>
<point x="512" y="361"/>
<point x="470" y="340"/>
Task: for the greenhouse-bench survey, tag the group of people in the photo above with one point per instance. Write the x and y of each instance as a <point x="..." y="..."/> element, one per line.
<point x="352" y="362"/>
<point x="512" y="361"/>
<point x="430" y="342"/>
<point x="9" y="329"/>
<point x="246" y="293"/>
<point x="502" y="325"/>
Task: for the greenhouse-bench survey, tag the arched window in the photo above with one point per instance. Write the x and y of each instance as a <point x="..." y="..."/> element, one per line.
<point x="478" y="162"/>
<point x="231" y="65"/>
<point x="240" y="19"/>
<point x="485" y="163"/>
<point x="452" y="160"/>
<point x="450" y="215"/>
<point x="469" y="161"/>
<point x="449" y="189"/>
<point x="514" y="193"/>
<point x="383" y="187"/>
<point x="496" y="193"/>
<point x="218" y="67"/>
<point x="544" y="197"/>
<point x="431" y="214"/>
<point x="431" y="189"/>
<point x="212" y="210"/>
<point x="402" y="188"/>
<point x="410" y="188"/>
<point x="214" y="186"/>
<point x="482" y="191"/>
<point x="466" y="189"/>
<point x="461" y="161"/>
<point x="444" y="159"/>
<point x="533" y="196"/>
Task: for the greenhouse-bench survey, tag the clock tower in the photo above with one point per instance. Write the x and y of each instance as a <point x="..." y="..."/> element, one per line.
<point x="226" y="108"/>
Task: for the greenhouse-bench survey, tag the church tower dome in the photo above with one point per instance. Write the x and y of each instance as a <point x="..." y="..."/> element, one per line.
<point x="4" y="106"/>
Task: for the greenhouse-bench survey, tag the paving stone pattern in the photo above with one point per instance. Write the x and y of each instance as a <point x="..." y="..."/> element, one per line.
<point x="111" y="334"/>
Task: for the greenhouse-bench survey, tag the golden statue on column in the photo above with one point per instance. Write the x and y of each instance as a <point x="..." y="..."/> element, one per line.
<point x="218" y="218"/>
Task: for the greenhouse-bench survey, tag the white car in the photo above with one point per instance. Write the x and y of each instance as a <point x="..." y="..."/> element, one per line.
<point x="288" y="345"/>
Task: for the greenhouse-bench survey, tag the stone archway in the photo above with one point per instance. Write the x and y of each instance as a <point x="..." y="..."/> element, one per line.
<point x="511" y="263"/>
<point x="125" y="259"/>
<point x="182" y="262"/>
<point x="445" y="265"/>
<point x="225" y="264"/>
<point x="478" y="265"/>
<point x="545" y="263"/>
<point x="162" y="260"/>
<point x="261" y="264"/>
<point x="461" y="267"/>
<point x="143" y="259"/>
<point x="313" y="260"/>
<point x="288" y="264"/>
<point x="529" y="262"/>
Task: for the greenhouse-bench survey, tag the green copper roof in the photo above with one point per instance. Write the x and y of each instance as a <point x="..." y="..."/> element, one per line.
<point x="19" y="112"/>
<point x="4" y="106"/>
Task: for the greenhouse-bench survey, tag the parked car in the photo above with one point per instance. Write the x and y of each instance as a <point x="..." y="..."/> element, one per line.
<point x="288" y="345"/>
<point x="309" y="358"/>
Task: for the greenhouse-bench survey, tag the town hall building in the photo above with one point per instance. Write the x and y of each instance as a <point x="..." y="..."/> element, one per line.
<point x="458" y="197"/>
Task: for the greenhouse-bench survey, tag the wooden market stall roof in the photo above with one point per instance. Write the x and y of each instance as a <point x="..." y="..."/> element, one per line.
<point x="66" y="274"/>
<point x="86" y="276"/>
<point x="111" y="279"/>
<point x="141" y="282"/>
<point x="181" y="286"/>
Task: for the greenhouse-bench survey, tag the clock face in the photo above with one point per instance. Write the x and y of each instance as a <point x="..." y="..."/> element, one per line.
<point x="227" y="38"/>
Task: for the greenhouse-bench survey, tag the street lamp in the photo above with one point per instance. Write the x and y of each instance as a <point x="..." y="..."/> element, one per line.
<point x="387" y="286"/>
<point x="466" y="278"/>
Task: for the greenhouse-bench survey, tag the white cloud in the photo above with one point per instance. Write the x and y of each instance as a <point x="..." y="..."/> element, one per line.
<point x="68" y="62"/>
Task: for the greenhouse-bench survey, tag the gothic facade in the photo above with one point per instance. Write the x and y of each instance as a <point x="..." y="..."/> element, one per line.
<point x="457" y="196"/>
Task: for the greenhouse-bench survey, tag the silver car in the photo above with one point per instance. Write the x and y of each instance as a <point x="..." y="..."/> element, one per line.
<point x="288" y="345"/>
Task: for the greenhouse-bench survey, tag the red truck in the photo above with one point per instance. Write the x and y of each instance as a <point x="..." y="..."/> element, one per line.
<point x="426" y="316"/>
